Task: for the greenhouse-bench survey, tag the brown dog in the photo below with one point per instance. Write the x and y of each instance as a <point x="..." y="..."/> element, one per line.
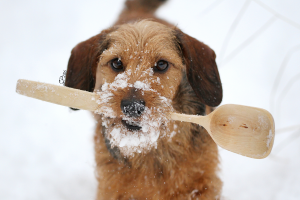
<point x="143" y="67"/>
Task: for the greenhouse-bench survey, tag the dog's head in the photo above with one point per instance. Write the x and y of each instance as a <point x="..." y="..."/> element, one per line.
<point x="137" y="69"/>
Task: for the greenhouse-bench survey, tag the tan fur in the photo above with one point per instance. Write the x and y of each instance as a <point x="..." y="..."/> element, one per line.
<point x="175" y="165"/>
<point x="180" y="167"/>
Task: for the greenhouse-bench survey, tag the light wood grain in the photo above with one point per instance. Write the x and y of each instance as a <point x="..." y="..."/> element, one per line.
<point x="57" y="94"/>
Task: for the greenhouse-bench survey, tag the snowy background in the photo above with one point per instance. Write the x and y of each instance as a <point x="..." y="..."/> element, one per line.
<point x="46" y="150"/>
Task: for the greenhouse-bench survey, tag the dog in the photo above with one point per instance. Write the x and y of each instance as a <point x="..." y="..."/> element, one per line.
<point x="143" y="67"/>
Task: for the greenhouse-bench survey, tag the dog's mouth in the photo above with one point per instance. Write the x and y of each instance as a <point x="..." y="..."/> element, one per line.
<point x="132" y="126"/>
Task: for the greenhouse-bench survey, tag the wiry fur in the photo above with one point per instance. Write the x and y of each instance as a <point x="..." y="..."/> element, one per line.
<point x="184" y="168"/>
<point x="181" y="166"/>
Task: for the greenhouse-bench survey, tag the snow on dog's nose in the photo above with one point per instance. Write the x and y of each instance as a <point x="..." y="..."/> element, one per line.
<point x="132" y="107"/>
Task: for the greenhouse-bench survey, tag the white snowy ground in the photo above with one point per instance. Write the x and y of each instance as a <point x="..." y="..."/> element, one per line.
<point x="46" y="150"/>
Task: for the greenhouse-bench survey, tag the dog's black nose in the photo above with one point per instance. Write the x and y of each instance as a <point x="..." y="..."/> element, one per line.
<point x="132" y="107"/>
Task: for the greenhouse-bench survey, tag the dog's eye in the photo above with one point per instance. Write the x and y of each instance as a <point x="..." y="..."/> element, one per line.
<point x="116" y="64"/>
<point x="161" y="66"/>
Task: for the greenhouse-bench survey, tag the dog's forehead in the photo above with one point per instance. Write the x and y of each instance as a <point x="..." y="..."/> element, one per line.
<point x="146" y="41"/>
<point x="144" y="33"/>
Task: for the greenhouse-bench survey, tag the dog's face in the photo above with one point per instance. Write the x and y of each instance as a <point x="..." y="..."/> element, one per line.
<point x="137" y="76"/>
<point x="136" y="69"/>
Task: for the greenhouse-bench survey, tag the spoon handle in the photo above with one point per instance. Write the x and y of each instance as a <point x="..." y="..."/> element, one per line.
<point x="60" y="95"/>
<point x="80" y="99"/>
<point x="201" y="120"/>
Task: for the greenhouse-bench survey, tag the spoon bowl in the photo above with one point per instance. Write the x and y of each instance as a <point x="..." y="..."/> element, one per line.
<point x="244" y="130"/>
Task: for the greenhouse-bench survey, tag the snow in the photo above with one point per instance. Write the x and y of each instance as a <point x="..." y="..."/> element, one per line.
<point x="263" y="121"/>
<point x="269" y="138"/>
<point x="141" y="85"/>
<point x="139" y="141"/>
<point x="46" y="150"/>
<point x="231" y="119"/>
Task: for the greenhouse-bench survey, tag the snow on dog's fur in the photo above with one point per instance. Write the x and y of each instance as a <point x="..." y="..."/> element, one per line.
<point x="153" y="123"/>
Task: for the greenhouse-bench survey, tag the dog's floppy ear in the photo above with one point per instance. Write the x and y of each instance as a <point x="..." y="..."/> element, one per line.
<point x="201" y="69"/>
<point x="82" y="66"/>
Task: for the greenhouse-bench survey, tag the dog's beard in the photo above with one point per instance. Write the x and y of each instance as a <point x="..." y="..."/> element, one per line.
<point x="150" y="126"/>
<point x="140" y="141"/>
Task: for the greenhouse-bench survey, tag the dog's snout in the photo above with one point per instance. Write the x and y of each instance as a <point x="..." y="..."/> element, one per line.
<point x="132" y="107"/>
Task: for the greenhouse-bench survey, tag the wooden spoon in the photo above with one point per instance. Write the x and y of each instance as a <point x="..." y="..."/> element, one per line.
<point x="248" y="131"/>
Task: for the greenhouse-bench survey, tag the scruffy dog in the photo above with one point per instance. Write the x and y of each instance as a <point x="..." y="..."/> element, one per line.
<point x="143" y="68"/>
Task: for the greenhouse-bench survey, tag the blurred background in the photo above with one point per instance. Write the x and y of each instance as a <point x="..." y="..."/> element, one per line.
<point x="46" y="150"/>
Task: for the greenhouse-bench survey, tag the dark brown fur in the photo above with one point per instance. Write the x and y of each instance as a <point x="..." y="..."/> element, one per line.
<point x="183" y="167"/>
